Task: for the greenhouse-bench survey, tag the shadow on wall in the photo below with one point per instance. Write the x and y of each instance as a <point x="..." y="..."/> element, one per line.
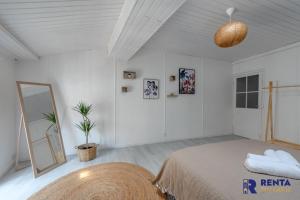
<point x="65" y="122"/>
<point x="98" y="118"/>
<point x="71" y="135"/>
<point x="101" y="119"/>
<point x="23" y="152"/>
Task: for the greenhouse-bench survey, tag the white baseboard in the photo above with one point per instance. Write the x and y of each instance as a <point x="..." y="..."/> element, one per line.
<point x="170" y="139"/>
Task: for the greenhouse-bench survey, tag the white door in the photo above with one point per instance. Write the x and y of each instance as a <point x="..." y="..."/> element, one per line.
<point x="247" y="105"/>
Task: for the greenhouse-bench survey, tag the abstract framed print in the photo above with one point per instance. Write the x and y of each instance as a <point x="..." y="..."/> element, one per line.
<point x="151" y="89"/>
<point x="186" y="81"/>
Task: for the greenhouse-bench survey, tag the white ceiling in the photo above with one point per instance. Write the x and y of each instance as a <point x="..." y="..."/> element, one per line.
<point x="56" y="26"/>
<point x="272" y="24"/>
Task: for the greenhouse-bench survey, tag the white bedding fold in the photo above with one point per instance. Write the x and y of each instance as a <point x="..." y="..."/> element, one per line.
<point x="270" y="153"/>
<point x="262" y="157"/>
<point x="286" y="157"/>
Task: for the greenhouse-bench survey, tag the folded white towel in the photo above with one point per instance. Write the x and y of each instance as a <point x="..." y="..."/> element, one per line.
<point x="277" y="163"/>
<point x="272" y="168"/>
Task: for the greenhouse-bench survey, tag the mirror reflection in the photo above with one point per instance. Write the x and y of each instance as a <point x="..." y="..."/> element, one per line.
<point x="41" y="122"/>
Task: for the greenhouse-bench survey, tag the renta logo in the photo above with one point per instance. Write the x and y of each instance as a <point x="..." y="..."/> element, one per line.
<point x="267" y="185"/>
<point x="249" y="185"/>
<point x="275" y="182"/>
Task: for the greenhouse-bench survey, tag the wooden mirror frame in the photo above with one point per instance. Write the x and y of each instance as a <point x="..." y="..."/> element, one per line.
<point x="28" y="135"/>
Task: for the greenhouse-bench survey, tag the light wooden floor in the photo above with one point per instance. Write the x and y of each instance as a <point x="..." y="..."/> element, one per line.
<point x="20" y="185"/>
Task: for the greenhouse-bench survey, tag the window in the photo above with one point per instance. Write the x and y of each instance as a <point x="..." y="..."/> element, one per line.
<point x="247" y="92"/>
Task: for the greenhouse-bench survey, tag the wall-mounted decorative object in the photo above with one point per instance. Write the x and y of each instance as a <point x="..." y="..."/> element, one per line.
<point x="172" y="94"/>
<point x="172" y="78"/>
<point x="186" y="81"/>
<point x="129" y="75"/>
<point x="124" y="89"/>
<point x="151" y="89"/>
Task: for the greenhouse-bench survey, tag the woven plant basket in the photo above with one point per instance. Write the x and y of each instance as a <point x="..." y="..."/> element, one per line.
<point x="87" y="152"/>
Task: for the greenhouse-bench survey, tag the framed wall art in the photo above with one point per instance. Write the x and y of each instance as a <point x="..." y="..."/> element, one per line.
<point x="186" y="81"/>
<point x="151" y="89"/>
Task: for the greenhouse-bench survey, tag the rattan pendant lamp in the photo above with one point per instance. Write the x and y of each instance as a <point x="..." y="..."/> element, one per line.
<point x="231" y="33"/>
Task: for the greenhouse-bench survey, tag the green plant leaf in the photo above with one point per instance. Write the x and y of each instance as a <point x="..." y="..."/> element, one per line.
<point x="50" y="117"/>
<point x="85" y="126"/>
<point x="83" y="109"/>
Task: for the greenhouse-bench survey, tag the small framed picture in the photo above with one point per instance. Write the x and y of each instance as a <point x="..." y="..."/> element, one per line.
<point x="186" y="81"/>
<point x="151" y="89"/>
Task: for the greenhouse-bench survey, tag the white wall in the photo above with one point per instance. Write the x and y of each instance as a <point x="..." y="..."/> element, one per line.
<point x="7" y="115"/>
<point x="172" y="118"/>
<point x="283" y="67"/>
<point x="80" y="76"/>
<point x="184" y="114"/>
<point x="217" y="85"/>
<point x="125" y="119"/>
<point x="138" y="120"/>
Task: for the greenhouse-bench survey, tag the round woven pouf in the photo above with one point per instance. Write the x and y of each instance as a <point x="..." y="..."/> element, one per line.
<point x="112" y="181"/>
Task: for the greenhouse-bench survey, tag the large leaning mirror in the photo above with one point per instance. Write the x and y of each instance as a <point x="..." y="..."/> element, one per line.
<point x="42" y="126"/>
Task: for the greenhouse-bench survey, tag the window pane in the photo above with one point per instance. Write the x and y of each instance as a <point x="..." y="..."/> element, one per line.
<point x="241" y="84"/>
<point x="252" y="100"/>
<point x="253" y="83"/>
<point x="241" y="100"/>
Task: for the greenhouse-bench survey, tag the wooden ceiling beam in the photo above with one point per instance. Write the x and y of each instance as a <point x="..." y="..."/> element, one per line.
<point x="138" y="22"/>
<point x="16" y="49"/>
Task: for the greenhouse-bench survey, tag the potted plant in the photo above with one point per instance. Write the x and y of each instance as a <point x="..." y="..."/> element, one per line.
<point x="88" y="150"/>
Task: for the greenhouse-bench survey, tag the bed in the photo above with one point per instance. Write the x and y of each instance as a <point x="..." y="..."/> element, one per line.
<point x="216" y="172"/>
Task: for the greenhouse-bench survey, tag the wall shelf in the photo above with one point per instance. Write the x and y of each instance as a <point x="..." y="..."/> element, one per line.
<point x="172" y="95"/>
<point x="129" y="75"/>
<point x="172" y="78"/>
<point x="124" y="89"/>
